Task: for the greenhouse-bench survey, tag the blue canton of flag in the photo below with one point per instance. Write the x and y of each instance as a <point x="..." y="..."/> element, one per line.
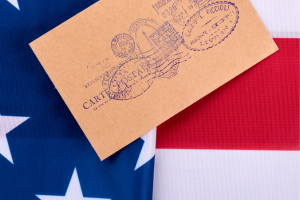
<point x="43" y="152"/>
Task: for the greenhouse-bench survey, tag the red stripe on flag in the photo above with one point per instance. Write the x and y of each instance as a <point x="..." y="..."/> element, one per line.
<point x="257" y="110"/>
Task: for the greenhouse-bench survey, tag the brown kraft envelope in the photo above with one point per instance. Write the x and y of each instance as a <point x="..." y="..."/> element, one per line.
<point x="125" y="66"/>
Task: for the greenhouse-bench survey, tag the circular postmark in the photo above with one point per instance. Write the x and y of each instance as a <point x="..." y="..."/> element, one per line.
<point x="122" y="45"/>
<point x="210" y="26"/>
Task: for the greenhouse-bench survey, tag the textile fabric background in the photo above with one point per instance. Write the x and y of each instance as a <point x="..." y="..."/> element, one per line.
<point x="241" y="142"/>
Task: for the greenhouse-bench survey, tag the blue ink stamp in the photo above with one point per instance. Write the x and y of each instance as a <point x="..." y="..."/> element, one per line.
<point x="210" y="26"/>
<point x="122" y="45"/>
<point x="156" y="58"/>
<point x="167" y="40"/>
<point x="131" y="80"/>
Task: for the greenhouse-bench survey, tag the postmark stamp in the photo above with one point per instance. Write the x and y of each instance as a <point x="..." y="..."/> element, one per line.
<point x="210" y="26"/>
<point x="151" y="51"/>
<point x="122" y="45"/>
<point x="156" y="56"/>
<point x="131" y="80"/>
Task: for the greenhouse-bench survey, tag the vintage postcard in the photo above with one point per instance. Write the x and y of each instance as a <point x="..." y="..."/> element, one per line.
<point x="125" y="66"/>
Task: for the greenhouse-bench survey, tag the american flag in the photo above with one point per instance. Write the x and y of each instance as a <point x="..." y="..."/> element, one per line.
<point x="241" y="142"/>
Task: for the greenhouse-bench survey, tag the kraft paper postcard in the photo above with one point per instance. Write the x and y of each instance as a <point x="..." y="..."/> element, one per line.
<point x="125" y="66"/>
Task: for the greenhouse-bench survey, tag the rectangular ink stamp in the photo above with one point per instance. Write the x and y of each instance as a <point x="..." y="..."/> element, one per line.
<point x="125" y="66"/>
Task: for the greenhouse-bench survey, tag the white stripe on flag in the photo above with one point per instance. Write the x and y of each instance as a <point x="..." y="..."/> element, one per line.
<point x="281" y="17"/>
<point x="226" y="175"/>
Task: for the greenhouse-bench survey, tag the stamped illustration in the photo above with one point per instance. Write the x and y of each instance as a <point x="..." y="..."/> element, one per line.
<point x="156" y="57"/>
<point x="150" y="50"/>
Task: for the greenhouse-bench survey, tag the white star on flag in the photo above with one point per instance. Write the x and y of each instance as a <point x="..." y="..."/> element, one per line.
<point x="14" y="3"/>
<point x="148" y="149"/>
<point x="73" y="192"/>
<point x="7" y="124"/>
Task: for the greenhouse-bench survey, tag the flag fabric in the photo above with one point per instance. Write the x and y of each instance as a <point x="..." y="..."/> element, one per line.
<point x="43" y="152"/>
<point x="241" y="142"/>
